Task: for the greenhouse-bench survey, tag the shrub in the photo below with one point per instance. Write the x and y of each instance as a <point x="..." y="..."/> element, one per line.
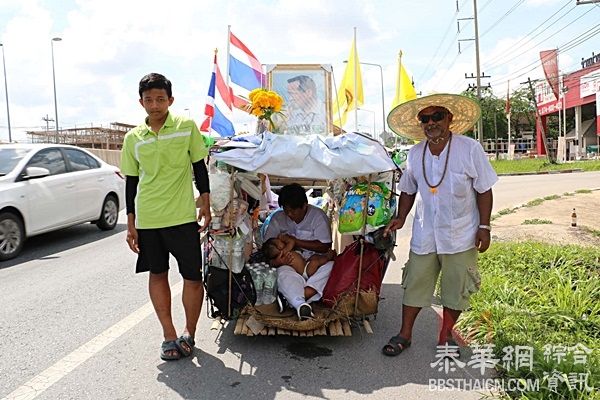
<point x="539" y="295"/>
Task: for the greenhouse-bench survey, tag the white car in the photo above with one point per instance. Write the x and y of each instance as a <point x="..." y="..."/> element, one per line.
<point x="45" y="187"/>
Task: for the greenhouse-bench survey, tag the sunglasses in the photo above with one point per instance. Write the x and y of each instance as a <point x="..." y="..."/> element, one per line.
<point x="435" y="117"/>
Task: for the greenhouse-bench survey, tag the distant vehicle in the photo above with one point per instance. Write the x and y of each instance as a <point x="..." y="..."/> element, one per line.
<point x="45" y="187"/>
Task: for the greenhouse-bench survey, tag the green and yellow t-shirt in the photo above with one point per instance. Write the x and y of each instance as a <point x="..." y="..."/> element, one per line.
<point x="162" y="160"/>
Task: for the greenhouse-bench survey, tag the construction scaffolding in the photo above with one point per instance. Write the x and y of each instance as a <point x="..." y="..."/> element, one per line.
<point x="110" y="138"/>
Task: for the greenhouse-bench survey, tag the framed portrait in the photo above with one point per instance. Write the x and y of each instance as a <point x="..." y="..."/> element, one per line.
<point x="306" y="92"/>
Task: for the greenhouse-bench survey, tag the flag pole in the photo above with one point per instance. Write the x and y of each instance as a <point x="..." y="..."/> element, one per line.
<point x="398" y="88"/>
<point x="508" y="118"/>
<point x="355" y="84"/>
<point x="228" y="50"/>
<point x="210" y="120"/>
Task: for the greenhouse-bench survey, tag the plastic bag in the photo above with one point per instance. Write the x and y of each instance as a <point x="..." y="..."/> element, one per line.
<point x="379" y="212"/>
<point x="220" y="191"/>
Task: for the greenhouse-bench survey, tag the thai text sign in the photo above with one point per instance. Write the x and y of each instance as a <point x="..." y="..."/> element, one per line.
<point x="589" y="84"/>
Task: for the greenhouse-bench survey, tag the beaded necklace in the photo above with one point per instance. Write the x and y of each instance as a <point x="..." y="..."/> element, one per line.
<point x="433" y="188"/>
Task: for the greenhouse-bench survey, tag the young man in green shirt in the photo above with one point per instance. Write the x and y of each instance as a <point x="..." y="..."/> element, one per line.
<point x="158" y="158"/>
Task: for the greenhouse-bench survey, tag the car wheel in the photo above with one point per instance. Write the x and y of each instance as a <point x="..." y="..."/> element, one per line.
<point x="109" y="214"/>
<point x="12" y="235"/>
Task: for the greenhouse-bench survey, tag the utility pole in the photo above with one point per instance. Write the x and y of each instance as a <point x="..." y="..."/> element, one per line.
<point x="47" y="127"/>
<point x="495" y="135"/>
<point x="477" y="64"/>
<point x="479" y="124"/>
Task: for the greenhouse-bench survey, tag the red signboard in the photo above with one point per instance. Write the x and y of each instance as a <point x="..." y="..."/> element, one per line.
<point x="598" y="113"/>
<point x="550" y="66"/>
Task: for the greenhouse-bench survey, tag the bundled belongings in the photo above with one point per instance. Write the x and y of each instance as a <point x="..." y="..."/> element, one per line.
<point x="218" y="286"/>
<point x="348" y="270"/>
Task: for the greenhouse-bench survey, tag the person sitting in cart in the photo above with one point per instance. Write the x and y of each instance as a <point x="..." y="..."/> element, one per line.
<point x="280" y="251"/>
<point x="311" y="230"/>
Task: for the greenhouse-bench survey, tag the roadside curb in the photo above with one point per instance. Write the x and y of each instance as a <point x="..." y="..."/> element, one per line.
<point x="562" y="171"/>
<point x="523" y="205"/>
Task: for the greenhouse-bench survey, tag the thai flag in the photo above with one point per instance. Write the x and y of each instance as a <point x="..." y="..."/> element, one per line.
<point x="218" y="106"/>
<point x="245" y="71"/>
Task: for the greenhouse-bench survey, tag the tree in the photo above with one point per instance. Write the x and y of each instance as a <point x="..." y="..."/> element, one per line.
<point x="522" y="111"/>
<point x="490" y="106"/>
<point x="522" y="116"/>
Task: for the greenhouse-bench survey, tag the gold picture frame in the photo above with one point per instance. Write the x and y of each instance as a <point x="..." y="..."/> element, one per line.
<point x="306" y="92"/>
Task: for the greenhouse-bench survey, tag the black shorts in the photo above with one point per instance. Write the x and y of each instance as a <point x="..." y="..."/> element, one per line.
<point x="182" y="241"/>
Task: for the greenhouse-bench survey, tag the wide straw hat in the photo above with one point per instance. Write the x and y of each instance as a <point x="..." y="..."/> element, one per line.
<point x="403" y="119"/>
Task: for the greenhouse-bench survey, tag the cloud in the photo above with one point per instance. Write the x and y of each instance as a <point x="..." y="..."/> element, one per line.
<point x="108" y="46"/>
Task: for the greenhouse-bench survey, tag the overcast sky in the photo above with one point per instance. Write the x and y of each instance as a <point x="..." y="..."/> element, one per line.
<point x="108" y="45"/>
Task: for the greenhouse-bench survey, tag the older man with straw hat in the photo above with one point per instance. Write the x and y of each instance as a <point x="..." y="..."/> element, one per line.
<point x="450" y="179"/>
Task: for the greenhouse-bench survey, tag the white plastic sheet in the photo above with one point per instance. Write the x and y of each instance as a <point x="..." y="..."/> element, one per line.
<point x="310" y="156"/>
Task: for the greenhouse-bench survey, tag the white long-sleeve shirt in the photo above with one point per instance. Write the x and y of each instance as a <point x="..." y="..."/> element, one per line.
<point x="446" y="221"/>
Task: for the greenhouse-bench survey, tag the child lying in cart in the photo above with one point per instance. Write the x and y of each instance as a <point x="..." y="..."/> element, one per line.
<point x="280" y="251"/>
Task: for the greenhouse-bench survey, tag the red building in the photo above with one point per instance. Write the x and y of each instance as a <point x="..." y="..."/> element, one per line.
<point x="579" y="92"/>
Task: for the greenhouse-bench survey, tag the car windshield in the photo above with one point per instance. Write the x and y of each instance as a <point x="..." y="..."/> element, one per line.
<point x="9" y="158"/>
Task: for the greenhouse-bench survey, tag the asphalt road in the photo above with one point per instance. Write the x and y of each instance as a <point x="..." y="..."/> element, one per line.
<point x="76" y="323"/>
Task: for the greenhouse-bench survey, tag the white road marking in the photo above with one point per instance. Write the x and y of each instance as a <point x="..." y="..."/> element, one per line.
<point x="41" y="382"/>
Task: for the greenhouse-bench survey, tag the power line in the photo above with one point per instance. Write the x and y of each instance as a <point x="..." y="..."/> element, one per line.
<point x="439" y="46"/>
<point x="537" y="27"/>
<point x="483" y="7"/>
<point x="459" y="82"/>
<point x="528" y="39"/>
<point x="537" y="44"/>
<point x="566" y="47"/>
<point x="432" y="59"/>
<point x="460" y="40"/>
<point x="506" y="14"/>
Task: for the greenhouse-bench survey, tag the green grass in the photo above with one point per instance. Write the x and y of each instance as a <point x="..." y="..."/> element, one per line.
<point x="534" y="202"/>
<point x="583" y="191"/>
<point x="536" y="294"/>
<point x="536" y="221"/>
<point x="504" y="211"/>
<point x="553" y="197"/>
<point x="591" y="231"/>
<point x="540" y="165"/>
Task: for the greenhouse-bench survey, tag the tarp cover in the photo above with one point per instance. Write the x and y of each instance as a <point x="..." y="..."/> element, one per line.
<point x="309" y="156"/>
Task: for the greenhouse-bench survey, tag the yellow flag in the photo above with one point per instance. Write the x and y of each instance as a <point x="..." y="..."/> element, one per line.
<point x="347" y="100"/>
<point x="404" y="89"/>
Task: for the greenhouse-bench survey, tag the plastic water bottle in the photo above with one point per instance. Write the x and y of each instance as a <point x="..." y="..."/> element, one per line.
<point x="237" y="261"/>
<point x="269" y="288"/>
<point x="259" y="281"/>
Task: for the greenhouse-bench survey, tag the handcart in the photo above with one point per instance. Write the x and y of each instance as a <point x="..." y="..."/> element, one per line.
<point x="329" y="164"/>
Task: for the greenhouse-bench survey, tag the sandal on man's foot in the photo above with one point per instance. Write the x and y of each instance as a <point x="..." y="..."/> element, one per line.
<point x="169" y="351"/>
<point x="396" y="345"/>
<point x="185" y="344"/>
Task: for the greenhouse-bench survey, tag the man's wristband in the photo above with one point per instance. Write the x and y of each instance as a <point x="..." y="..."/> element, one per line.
<point x="486" y="227"/>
